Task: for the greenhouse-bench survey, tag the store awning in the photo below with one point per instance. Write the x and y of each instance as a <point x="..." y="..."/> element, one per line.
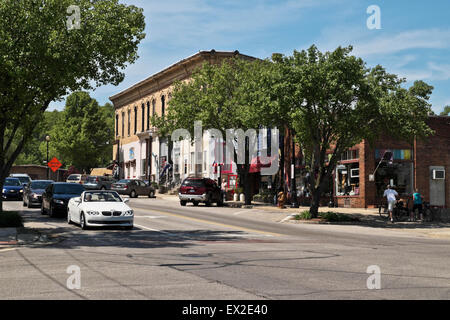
<point x="261" y="162"/>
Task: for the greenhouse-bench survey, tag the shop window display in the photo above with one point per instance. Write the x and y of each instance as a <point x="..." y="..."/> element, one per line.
<point x="347" y="179"/>
<point x="397" y="174"/>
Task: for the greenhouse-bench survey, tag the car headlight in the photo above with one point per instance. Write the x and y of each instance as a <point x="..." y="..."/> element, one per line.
<point x="93" y="213"/>
<point x="21" y="191"/>
<point x="129" y="212"/>
<point x="58" y="201"/>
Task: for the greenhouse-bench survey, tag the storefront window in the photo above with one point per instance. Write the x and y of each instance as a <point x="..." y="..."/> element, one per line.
<point x="397" y="174"/>
<point x="347" y="179"/>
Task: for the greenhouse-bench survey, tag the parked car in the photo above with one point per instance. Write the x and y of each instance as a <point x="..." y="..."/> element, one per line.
<point x="198" y="190"/>
<point x="98" y="182"/>
<point x="12" y="189"/>
<point x="133" y="188"/>
<point x="23" y="177"/>
<point x="57" y="196"/>
<point x="32" y="192"/>
<point x="100" y="208"/>
<point x="76" y="178"/>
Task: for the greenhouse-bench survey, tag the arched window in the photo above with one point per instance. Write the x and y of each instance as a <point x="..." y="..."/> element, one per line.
<point x="117" y="124"/>
<point x="135" y="120"/>
<point x="123" y="124"/>
<point x="154" y="107"/>
<point x="163" y="105"/>
<point x="148" y="115"/>
<point x="129" y="121"/>
<point x="143" y="118"/>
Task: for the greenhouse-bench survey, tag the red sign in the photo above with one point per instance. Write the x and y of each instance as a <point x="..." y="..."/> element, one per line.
<point x="54" y="164"/>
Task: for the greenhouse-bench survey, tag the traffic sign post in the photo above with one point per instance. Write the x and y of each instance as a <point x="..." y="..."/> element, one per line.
<point x="54" y="164"/>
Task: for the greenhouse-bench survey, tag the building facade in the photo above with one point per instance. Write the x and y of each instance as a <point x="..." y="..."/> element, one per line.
<point x="362" y="174"/>
<point x="139" y="150"/>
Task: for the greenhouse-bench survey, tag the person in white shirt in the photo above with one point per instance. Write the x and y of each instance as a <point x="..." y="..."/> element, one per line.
<point x="391" y="196"/>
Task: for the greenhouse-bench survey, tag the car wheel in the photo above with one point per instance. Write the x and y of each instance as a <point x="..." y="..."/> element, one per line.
<point x="183" y="203"/>
<point x="208" y="201"/>
<point x="195" y="203"/>
<point x="151" y="194"/>
<point x="83" y="222"/>
<point x="133" y="194"/>
<point x="220" y="203"/>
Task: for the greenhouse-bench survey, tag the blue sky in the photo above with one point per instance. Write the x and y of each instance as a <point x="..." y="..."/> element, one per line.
<point x="413" y="42"/>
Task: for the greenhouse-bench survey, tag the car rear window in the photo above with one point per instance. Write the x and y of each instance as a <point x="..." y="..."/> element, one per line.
<point x="124" y="181"/>
<point x="91" y="179"/>
<point x="73" y="177"/>
<point x="68" y="189"/>
<point x="40" y="184"/>
<point x="193" y="183"/>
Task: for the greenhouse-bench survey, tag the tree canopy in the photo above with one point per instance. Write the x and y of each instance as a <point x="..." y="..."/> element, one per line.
<point x="336" y="102"/>
<point x="41" y="60"/>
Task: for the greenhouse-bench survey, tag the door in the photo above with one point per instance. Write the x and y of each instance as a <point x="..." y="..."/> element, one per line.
<point x="437" y="187"/>
<point x="142" y="188"/>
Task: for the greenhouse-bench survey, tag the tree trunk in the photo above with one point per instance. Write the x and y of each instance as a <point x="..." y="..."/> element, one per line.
<point x="315" y="201"/>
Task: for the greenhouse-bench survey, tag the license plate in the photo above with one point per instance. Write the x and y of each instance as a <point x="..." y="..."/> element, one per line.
<point x="192" y="191"/>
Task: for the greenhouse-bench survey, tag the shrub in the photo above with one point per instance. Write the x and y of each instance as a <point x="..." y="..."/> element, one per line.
<point x="304" y="215"/>
<point x="336" y="217"/>
<point x="10" y="219"/>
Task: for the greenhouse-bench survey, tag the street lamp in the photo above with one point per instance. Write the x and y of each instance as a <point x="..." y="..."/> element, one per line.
<point x="294" y="203"/>
<point x="47" y="139"/>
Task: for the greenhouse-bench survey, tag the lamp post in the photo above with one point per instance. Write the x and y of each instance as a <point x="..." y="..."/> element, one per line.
<point x="294" y="203"/>
<point x="47" y="139"/>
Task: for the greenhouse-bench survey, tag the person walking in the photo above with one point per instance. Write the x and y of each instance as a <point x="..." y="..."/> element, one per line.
<point x="391" y="196"/>
<point x="418" y="204"/>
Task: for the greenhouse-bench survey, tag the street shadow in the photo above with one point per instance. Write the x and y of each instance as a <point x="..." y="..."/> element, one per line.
<point x="72" y="236"/>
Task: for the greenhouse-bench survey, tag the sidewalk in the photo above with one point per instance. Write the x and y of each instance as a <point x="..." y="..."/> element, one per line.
<point x="22" y="236"/>
<point x="368" y="218"/>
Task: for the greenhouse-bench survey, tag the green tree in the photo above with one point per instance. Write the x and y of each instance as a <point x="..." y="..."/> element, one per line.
<point x="41" y="60"/>
<point x="446" y="111"/>
<point x="83" y="135"/>
<point x="337" y="102"/>
<point x="222" y="96"/>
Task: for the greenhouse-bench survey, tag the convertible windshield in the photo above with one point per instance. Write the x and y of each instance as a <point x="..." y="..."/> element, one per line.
<point x="102" y="197"/>
<point x="12" y="182"/>
<point x="40" y="184"/>
<point x="68" y="189"/>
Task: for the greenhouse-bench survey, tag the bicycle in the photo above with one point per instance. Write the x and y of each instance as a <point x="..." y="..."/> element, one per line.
<point x="431" y="213"/>
<point x="399" y="211"/>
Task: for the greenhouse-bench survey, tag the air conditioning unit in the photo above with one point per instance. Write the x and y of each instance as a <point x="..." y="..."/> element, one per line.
<point x="438" y="174"/>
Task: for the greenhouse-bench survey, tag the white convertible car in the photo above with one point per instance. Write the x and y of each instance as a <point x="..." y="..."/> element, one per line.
<point x="100" y="208"/>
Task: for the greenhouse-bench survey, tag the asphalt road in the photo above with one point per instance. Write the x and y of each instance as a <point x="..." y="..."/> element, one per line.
<point x="201" y="253"/>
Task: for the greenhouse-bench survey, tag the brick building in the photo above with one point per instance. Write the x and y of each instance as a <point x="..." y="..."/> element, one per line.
<point x="140" y="151"/>
<point x="423" y="164"/>
<point x="37" y="172"/>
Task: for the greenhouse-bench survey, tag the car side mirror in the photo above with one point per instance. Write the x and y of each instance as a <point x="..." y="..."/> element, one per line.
<point x="77" y="200"/>
<point x="126" y="200"/>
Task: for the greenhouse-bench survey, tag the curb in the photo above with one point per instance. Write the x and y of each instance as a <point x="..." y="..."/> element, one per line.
<point x="30" y="237"/>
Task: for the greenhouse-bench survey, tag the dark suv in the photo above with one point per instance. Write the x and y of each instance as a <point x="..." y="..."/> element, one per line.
<point x="98" y="183"/>
<point x="198" y="190"/>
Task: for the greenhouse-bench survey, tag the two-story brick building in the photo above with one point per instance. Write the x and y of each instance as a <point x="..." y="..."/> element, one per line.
<point x="139" y="150"/>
